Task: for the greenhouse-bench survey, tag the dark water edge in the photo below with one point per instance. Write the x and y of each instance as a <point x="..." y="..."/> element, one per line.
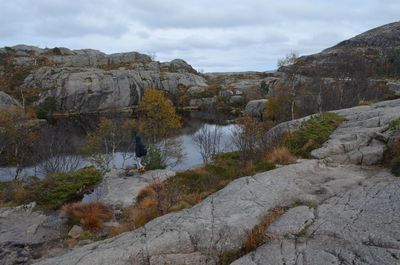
<point x="70" y="133"/>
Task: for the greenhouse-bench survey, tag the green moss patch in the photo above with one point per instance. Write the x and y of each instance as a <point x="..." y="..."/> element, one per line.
<point x="312" y="134"/>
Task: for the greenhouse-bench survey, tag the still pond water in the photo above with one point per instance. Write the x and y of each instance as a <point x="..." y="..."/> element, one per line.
<point x="71" y="133"/>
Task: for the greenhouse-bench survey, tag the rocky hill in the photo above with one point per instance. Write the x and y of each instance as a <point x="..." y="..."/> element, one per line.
<point x="88" y="80"/>
<point x="363" y="68"/>
<point x="342" y="208"/>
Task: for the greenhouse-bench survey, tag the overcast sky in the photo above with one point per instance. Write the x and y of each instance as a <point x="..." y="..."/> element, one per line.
<point x="212" y="35"/>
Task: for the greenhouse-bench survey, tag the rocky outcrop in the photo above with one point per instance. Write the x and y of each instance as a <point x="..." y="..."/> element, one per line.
<point x="24" y="232"/>
<point x="120" y="190"/>
<point x="363" y="68"/>
<point x="362" y="138"/>
<point x="256" y="108"/>
<point x="86" y="81"/>
<point x="358" y="226"/>
<point x="7" y="102"/>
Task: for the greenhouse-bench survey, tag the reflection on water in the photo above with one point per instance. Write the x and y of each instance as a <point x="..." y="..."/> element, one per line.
<point x="72" y="133"/>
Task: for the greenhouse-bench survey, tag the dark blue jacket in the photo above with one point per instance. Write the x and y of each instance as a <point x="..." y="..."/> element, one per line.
<point x="140" y="149"/>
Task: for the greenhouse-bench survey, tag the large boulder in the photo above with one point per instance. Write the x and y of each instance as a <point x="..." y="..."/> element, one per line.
<point x="256" y="108"/>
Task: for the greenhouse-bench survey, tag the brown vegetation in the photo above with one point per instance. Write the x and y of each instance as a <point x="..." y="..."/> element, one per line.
<point x="280" y="155"/>
<point x="90" y="215"/>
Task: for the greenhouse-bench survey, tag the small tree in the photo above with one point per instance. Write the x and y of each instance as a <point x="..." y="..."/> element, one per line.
<point x="248" y="138"/>
<point x="158" y="122"/>
<point x="208" y="140"/>
<point x="18" y="139"/>
<point x="291" y="69"/>
<point x="157" y="116"/>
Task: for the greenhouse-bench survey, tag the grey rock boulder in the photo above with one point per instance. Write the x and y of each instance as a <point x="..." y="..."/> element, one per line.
<point x="75" y="232"/>
<point x="255" y="108"/>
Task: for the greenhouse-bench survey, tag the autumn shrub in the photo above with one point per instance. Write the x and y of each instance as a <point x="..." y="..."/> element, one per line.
<point x="90" y="216"/>
<point x="280" y="155"/>
<point x="20" y="194"/>
<point x="312" y="134"/>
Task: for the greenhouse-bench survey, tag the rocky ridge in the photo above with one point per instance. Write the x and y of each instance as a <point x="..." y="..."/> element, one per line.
<point x="89" y="81"/>
<point x="354" y="215"/>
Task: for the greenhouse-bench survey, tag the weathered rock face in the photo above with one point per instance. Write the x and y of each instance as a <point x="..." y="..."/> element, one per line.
<point x="89" y="81"/>
<point x="6" y="101"/>
<point x="359" y="226"/>
<point x="23" y="230"/>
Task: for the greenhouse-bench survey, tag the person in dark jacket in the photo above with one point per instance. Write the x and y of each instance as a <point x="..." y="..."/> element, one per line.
<point x="140" y="151"/>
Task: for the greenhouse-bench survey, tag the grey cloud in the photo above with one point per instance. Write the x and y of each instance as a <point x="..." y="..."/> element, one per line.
<point x="209" y="34"/>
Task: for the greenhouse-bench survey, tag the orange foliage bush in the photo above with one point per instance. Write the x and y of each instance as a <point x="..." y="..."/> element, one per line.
<point x="280" y="155"/>
<point x="90" y="215"/>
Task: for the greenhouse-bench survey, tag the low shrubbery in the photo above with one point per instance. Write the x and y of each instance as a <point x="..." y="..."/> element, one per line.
<point x="90" y="216"/>
<point x="312" y="134"/>
<point x="54" y="190"/>
<point x="280" y="155"/>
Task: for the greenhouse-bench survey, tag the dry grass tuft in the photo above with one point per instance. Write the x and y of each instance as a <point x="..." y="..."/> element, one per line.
<point x="90" y="215"/>
<point x="257" y="236"/>
<point x="280" y="155"/>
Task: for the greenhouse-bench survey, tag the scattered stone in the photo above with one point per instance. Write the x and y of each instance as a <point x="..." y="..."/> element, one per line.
<point x="75" y="232"/>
